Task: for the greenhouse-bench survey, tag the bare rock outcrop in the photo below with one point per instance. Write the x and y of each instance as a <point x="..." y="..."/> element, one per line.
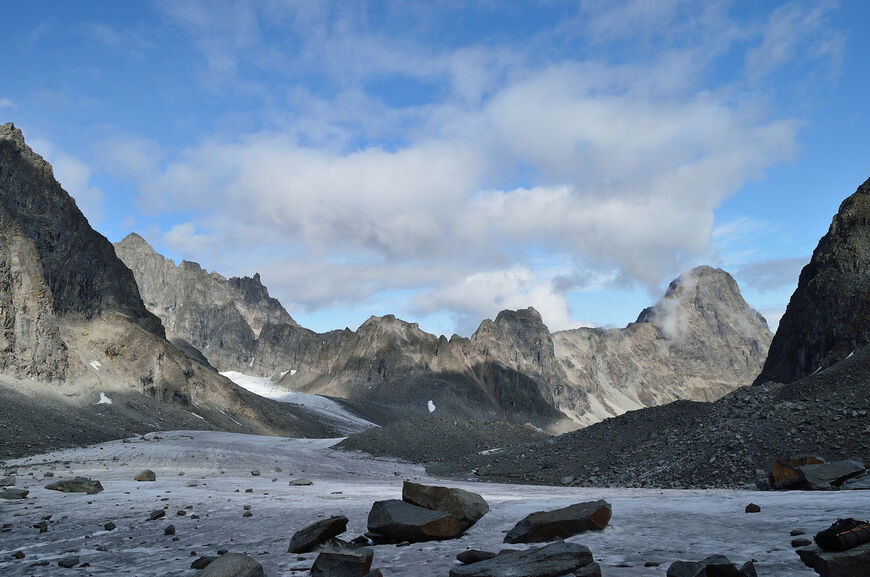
<point x="699" y="342"/>
<point x="828" y="316"/>
<point x="73" y="325"/>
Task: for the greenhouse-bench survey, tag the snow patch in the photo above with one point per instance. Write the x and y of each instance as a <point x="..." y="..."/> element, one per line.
<point x="265" y="387"/>
<point x="95" y="364"/>
<point x="104" y="400"/>
<point x="431" y="407"/>
<point x="197" y="416"/>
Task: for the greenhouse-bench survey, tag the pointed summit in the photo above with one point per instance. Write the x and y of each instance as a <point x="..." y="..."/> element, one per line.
<point x="828" y="316"/>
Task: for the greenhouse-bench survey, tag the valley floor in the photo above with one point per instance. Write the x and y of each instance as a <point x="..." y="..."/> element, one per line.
<point x="207" y="474"/>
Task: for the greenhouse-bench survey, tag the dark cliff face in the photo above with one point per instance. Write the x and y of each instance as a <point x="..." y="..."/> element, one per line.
<point x="78" y="264"/>
<point x="828" y="316"/>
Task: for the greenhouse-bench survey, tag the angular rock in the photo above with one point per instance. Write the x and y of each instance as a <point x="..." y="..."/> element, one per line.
<point x="340" y="560"/>
<point x="827" y="476"/>
<point x="202" y="562"/>
<point x="68" y="562"/>
<point x="169" y="530"/>
<point x="802" y="542"/>
<point x="861" y="482"/>
<point x="784" y="474"/>
<point x="474" y="556"/>
<point x="11" y="493"/>
<point x="465" y="506"/>
<point x="712" y="566"/>
<point x="753" y="508"/>
<point x="850" y="563"/>
<point x="396" y="521"/>
<point x="561" y="523"/>
<point x="157" y="514"/>
<point x="303" y="482"/>
<point x="232" y="565"/>
<point x="146" y="475"/>
<point x="308" y="538"/>
<point x="76" y="485"/>
<point x="554" y="560"/>
<point x="591" y="570"/>
<point x="109" y="526"/>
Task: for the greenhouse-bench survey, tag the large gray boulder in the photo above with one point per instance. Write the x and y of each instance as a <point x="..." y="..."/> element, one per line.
<point x="397" y="521"/>
<point x="341" y="560"/>
<point x="232" y="565"/>
<point x="828" y="476"/>
<point x="466" y="507"/>
<point x="7" y="481"/>
<point x="76" y="485"/>
<point x="12" y="493"/>
<point x="308" y="538"/>
<point x="850" y="563"/>
<point x="712" y="566"/>
<point x="561" y="523"/>
<point x="554" y="560"/>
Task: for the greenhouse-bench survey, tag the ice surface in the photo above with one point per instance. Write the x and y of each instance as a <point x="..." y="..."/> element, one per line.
<point x="265" y="387"/>
<point x="431" y="407"/>
<point x="647" y="525"/>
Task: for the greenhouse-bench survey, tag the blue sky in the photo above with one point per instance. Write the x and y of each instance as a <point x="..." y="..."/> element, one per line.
<point x="443" y="161"/>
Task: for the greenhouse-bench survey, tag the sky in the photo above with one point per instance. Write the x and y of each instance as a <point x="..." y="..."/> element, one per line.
<point x="442" y="161"/>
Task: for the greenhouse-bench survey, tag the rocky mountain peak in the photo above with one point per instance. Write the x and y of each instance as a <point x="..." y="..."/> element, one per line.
<point x="221" y="317"/>
<point x="705" y="299"/>
<point x="77" y="263"/>
<point x="828" y="316"/>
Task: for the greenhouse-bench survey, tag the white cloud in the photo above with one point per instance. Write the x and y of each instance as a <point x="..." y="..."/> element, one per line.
<point x="623" y="164"/>
<point x="484" y="294"/>
<point x="795" y="32"/>
<point x="6" y="103"/>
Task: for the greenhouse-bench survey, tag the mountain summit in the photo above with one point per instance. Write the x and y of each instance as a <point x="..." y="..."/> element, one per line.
<point x="700" y="341"/>
<point x="74" y="332"/>
<point x="828" y="316"/>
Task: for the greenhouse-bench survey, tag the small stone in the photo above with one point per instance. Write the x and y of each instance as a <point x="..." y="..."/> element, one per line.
<point x="19" y="555"/>
<point x="302" y="482"/>
<point x="42" y="526"/>
<point x="203" y="562"/>
<point x="247" y="514"/>
<point x="753" y="508"/>
<point x="146" y="475"/>
<point x="651" y="564"/>
<point x="474" y="556"/>
<point x="109" y="526"/>
<point x="801" y="542"/>
<point x="68" y="562"/>
<point x="157" y="514"/>
<point x="796" y="532"/>
<point x="169" y="530"/>
<point x="255" y="473"/>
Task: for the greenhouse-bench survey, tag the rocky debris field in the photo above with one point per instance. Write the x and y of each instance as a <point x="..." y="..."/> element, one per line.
<point x="435" y="439"/>
<point x="728" y="443"/>
<point x="206" y="504"/>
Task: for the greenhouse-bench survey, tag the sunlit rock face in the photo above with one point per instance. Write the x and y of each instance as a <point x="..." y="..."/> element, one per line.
<point x="699" y="342"/>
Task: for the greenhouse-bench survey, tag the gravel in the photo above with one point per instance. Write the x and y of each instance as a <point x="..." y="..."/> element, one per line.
<point x="727" y="444"/>
<point x="435" y="439"/>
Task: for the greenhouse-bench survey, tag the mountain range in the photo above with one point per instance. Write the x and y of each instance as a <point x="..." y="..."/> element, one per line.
<point x="700" y="341"/>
